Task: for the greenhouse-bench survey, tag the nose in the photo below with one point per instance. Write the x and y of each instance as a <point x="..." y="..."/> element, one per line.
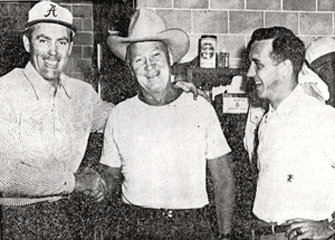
<point x="148" y="63"/>
<point x="53" y="49"/>
<point x="251" y="71"/>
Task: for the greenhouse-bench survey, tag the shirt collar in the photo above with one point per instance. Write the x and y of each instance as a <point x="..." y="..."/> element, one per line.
<point x="40" y="85"/>
<point x="287" y="105"/>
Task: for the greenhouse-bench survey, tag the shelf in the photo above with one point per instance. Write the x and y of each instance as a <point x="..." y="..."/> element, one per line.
<point x="207" y="78"/>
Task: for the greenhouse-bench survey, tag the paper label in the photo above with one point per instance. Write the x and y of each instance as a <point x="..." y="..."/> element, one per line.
<point x="235" y="104"/>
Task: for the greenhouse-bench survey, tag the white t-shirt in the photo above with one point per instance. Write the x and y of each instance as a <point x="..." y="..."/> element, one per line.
<point x="162" y="150"/>
<point x="296" y="157"/>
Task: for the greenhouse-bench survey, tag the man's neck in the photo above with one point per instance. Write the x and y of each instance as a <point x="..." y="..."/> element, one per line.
<point x="160" y="98"/>
<point x="282" y="95"/>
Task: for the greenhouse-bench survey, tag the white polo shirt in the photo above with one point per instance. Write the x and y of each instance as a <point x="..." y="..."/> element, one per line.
<point x="296" y="157"/>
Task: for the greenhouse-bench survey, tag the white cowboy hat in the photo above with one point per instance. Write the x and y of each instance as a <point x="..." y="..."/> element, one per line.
<point x="146" y="25"/>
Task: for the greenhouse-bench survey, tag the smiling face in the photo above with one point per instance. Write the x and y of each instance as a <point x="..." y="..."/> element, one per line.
<point x="264" y="70"/>
<point x="151" y="66"/>
<point x="49" y="47"/>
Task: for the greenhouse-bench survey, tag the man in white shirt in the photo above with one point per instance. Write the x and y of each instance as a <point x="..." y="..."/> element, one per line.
<point x="295" y="197"/>
<point x="161" y="141"/>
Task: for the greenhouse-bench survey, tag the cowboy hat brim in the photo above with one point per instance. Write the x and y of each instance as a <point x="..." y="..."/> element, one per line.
<point x="176" y="39"/>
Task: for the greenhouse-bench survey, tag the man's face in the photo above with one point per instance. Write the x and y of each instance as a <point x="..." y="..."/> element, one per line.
<point x="49" y="49"/>
<point x="264" y="70"/>
<point x="149" y="61"/>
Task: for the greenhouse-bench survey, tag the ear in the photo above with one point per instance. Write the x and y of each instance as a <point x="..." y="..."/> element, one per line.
<point x="129" y="66"/>
<point x="70" y="48"/>
<point x="26" y="43"/>
<point x="286" y="68"/>
<point x="171" y="59"/>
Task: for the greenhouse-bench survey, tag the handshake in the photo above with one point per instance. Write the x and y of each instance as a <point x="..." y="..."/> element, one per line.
<point x="91" y="184"/>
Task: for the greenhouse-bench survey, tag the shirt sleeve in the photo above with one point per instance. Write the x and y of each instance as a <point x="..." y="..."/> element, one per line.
<point x="110" y="155"/>
<point x="217" y="144"/>
<point x="17" y="178"/>
<point x="101" y="111"/>
<point x="326" y="134"/>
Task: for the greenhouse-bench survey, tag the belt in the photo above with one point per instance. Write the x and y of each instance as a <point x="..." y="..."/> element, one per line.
<point x="167" y="213"/>
<point x="270" y="229"/>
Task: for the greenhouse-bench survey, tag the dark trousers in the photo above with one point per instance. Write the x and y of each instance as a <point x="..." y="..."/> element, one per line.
<point x="64" y="219"/>
<point x="146" y="223"/>
<point x="36" y="221"/>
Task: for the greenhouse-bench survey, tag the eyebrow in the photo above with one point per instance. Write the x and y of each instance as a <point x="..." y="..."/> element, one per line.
<point x="255" y="60"/>
<point x="46" y="37"/>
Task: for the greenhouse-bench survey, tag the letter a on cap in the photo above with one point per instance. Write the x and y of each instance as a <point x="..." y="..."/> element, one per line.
<point x="50" y="12"/>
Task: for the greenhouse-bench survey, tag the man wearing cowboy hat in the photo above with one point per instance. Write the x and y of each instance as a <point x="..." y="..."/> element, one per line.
<point x="45" y="120"/>
<point x="160" y="139"/>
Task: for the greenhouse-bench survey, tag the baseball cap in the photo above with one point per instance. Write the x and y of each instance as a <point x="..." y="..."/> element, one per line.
<point x="50" y="12"/>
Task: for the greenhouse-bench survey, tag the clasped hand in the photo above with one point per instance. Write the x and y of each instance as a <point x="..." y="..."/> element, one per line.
<point x="90" y="183"/>
<point x="300" y="229"/>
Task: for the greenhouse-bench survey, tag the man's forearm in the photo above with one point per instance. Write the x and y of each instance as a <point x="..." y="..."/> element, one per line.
<point x="224" y="203"/>
<point x="224" y="190"/>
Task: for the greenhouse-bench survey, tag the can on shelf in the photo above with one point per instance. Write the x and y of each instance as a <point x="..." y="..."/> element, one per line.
<point x="223" y="59"/>
<point x="207" y="51"/>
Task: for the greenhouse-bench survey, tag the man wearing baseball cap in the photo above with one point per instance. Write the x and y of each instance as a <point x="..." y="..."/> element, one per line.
<point x="45" y="120"/>
<point x="161" y="142"/>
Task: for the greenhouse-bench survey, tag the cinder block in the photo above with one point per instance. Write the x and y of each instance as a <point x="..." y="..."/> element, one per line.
<point x="76" y="52"/>
<point x="299" y="5"/>
<point x="67" y="6"/>
<point x="83" y="38"/>
<point x="87" y="51"/>
<point x="209" y="21"/>
<point x="263" y="4"/>
<point x="225" y="4"/>
<point x="79" y="76"/>
<point x="85" y="11"/>
<point x="316" y="24"/>
<point x="326" y="5"/>
<point x="78" y="22"/>
<point x="285" y="19"/>
<point x="82" y="65"/>
<point x="194" y="50"/>
<point x="177" y="19"/>
<point x="235" y="45"/>
<point x="307" y="40"/>
<point x="154" y="3"/>
<point x="192" y="4"/>
<point x="244" y="22"/>
<point x="88" y="24"/>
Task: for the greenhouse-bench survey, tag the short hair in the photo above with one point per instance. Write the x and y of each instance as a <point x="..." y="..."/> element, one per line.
<point x="29" y="31"/>
<point x="285" y="45"/>
<point x="130" y="49"/>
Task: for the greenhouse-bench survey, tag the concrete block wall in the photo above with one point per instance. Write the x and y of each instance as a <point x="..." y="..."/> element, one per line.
<point x="233" y="21"/>
<point x="80" y="62"/>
